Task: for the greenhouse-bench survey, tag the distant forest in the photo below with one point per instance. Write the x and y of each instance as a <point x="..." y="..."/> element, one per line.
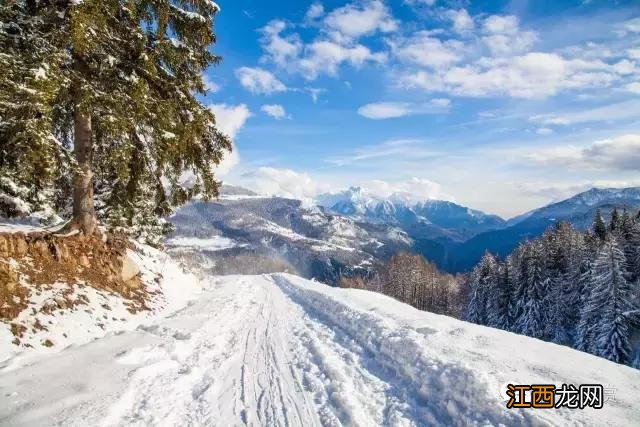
<point x="570" y="287"/>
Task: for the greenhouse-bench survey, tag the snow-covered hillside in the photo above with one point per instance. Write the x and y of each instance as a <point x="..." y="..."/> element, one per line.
<point x="421" y="219"/>
<point x="281" y="350"/>
<point x="276" y="234"/>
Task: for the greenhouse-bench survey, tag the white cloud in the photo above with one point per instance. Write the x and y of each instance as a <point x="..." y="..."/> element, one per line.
<point x="282" y="50"/>
<point x="361" y="18"/>
<point x="633" y="53"/>
<point x="503" y="44"/>
<point x="315" y="11"/>
<point x="325" y="56"/>
<point x="259" y="81"/>
<point x="632" y="25"/>
<point x="504" y="36"/>
<point x="395" y="149"/>
<point x="209" y="84"/>
<point x="618" y="111"/>
<point x="230" y="119"/>
<point x="420" y="2"/>
<point x="274" y="110"/>
<point x="302" y="186"/>
<point x="544" y="131"/>
<point x="389" y="110"/>
<point x="462" y="21"/>
<point x="633" y="87"/>
<point x="314" y="92"/>
<point x="497" y="24"/>
<point x="621" y="153"/>
<point x="283" y="183"/>
<point x="624" y="67"/>
<point x="412" y="191"/>
<point x="428" y="51"/>
<point x="533" y="75"/>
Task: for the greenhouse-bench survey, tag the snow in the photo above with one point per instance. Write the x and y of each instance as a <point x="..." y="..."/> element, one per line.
<point x="215" y="243"/>
<point x="103" y="312"/>
<point x="281" y="350"/>
<point x="18" y="228"/>
<point x="213" y="5"/>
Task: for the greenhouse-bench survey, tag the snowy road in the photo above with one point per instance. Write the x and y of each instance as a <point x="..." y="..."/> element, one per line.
<point x="277" y="350"/>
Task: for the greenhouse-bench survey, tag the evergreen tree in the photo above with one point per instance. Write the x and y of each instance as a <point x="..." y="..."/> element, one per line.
<point x="632" y="252"/>
<point x="531" y="320"/>
<point x="599" y="228"/>
<point x="112" y="92"/>
<point x="483" y="281"/>
<point x="499" y="302"/>
<point x="615" y="220"/>
<point x="519" y="261"/>
<point x="589" y="315"/>
<point x="611" y="297"/>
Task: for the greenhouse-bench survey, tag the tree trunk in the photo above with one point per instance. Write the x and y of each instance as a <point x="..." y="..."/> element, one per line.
<point x="84" y="214"/>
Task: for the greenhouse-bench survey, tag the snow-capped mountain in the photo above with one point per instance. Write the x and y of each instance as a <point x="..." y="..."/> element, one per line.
<point x="243" y="233"/>
<point x="351" y="232"/>
<point x="579" y="210"/>
<point x="426" y="219"/>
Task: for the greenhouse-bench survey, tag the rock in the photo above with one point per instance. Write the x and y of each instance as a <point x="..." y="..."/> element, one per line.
<point x="57" y="253"/>
<point x="61" y="302"/>
<point x="20" y="247"/>
<point x="84" y="261"/>
<point x="129" y="269"/>
<point x="42" y="248"/>
<point x="4" y="246"/>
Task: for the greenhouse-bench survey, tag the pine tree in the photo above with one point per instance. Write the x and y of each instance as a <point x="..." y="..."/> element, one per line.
<point x="112" y="91"/>
<point x="611" y="298"/>
<point x="599" y="228"/>
<point x="589" y="315"/>
<point x="614" y="224"/>
<point x="483" y="281"/>
<point x="531" y="320"/>
<point x="30" y="155"/>
<point x="632" y="252"/>
<point x="519" y="260"/>
<point x="499" y="303"/>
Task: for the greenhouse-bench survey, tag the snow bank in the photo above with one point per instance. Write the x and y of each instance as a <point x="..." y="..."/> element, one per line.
<point x="99" y="311"/>
<point x="462" y="369"/>
<point x="214" y="243"/>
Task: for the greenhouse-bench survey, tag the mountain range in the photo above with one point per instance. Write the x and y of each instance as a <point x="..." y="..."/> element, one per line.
<point x="352" y="232"/>
<point x="455" y="237"/>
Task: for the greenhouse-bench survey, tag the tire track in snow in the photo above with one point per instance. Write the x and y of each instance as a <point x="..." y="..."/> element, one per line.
<point x="419" y="390"/>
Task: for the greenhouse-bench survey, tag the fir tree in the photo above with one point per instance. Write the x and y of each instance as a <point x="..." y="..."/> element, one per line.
<point x="599" y="228"/>
<point x="531" y="320"/>
<point x="519" y="261"/>
<point x="499" y="303"/>
<point x="632" y="252"/>
<point x="614" y="224"/>
<point x="114" y="89"/>
<point x="482" y="285"/>
<point x="589" y="315"/>
<point x="611" y="298"/>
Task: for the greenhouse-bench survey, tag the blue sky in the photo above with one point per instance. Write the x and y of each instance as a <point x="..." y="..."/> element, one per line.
<point x="498" y="105"/>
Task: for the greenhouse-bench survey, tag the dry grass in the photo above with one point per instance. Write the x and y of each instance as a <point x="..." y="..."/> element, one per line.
<point x="33" y="262"/>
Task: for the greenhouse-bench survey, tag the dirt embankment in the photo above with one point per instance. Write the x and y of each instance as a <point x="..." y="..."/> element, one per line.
<point x="33" y="262"/>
